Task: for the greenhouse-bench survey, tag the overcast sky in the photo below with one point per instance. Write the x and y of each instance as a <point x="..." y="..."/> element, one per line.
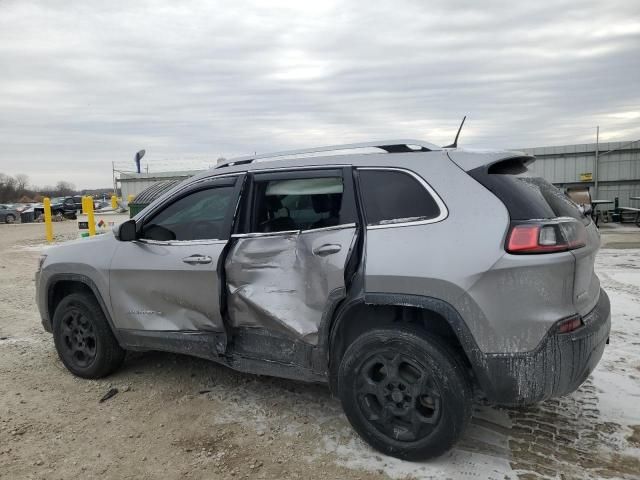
<point x="85" y="83"/>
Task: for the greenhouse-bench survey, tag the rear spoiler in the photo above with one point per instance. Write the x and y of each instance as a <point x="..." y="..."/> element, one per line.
<point x="471" y="159"/>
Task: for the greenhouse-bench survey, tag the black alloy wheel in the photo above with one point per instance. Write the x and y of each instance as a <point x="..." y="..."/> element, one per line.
<point x="399" y="396"/>
<point x="406" y="393"/>
<point x="79" y="338"/>
<point x="83" y="337"/>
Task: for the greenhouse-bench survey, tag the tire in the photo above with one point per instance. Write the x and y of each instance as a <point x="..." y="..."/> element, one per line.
<point x="405" y="393"/>
<point x="9" y="218"/>
<point x="83" y="337"/>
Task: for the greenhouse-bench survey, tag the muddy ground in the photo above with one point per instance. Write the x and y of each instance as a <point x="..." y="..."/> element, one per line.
<point x="178" y="417"/>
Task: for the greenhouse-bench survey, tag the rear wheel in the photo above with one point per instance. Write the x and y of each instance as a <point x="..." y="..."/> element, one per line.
<point x="83" y="337"/>
<point x="405" y="393"/>
<point x="9" y="218"/>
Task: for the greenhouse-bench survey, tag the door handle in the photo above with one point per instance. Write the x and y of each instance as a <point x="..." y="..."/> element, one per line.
<point x="327" y="249"/>
<point x="197" y="259"/>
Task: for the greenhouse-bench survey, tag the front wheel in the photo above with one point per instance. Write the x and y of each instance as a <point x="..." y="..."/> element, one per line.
<point x="83" y="337"/>
<point x="9" y="218"/>
<point x="406" y="394"/>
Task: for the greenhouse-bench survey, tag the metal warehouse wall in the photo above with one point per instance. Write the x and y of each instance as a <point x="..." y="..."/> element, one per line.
<point x="618" y="172"/>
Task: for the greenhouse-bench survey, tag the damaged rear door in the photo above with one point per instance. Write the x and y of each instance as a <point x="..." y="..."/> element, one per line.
<point x="287" y="267"/>
<point x="168" y="278"/>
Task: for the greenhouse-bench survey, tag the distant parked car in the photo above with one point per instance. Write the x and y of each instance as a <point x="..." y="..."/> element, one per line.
<point x="8" y="214"/>
<point x="71" y="206"/>
<point x="65" y="206"/>
<point x="99" y="205"/>
<point x="57" y="207"/>
<point x="20" y="207"/>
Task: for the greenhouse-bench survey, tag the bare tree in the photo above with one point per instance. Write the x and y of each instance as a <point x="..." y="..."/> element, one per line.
<point x="47" y="191"/>
<point x="13" y="189"/>
<point x="7" y="188"/>
<point x="65" y="188"/>
<point x="22" y="182"/>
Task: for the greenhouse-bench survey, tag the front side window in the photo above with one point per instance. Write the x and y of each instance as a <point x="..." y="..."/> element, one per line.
<point x="297" y="204"/>
<point x="201" y="215"/>
<point x="391" y="196"/>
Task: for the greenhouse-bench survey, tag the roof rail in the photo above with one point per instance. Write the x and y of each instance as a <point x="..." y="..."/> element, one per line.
<point x="389" y="146"/>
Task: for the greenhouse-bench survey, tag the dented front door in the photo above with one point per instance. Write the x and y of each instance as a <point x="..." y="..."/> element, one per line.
<point x="287" y="279"/>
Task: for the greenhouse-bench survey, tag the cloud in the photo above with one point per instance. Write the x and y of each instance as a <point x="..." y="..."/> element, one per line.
<point x="84" y="84"/>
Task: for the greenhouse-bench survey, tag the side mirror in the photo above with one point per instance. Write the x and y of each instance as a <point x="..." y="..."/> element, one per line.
<point x="127" y="231"/>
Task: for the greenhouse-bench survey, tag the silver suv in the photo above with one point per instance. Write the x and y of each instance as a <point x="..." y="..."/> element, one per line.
<point x="402" y="274"/>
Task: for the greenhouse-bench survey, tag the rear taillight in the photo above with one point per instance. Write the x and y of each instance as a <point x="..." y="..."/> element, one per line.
<point x="569" y="325"/>
<point x="546" y="236"/>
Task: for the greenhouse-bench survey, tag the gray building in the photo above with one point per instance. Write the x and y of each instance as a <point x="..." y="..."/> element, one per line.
<point x="616" y="175"/>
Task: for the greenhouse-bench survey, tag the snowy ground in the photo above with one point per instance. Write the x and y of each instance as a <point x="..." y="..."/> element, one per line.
<point x="187" y="418"/>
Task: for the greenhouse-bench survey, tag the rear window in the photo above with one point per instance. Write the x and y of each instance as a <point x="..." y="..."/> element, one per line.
<point x="391" y="196"/>
<point x="298" y="204"/>
<point x="526" y="197"/>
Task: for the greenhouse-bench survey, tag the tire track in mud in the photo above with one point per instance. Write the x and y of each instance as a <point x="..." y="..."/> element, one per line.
<point x="566" y="438"/>
<point x="609" y="283"/>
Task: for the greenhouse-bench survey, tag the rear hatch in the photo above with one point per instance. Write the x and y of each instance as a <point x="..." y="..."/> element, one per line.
<point x="543" y="221"/>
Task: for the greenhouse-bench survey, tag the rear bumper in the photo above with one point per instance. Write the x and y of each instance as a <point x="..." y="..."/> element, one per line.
<point x="558" y="366"/>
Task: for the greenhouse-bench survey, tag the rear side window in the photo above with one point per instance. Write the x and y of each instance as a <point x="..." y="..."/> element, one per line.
<point x="298" y="204"/>
<point x="526" y="197"/>
<point x="391" y="196"/>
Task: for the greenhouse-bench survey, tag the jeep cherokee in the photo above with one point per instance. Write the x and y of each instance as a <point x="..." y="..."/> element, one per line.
<point x="405" y="279"/>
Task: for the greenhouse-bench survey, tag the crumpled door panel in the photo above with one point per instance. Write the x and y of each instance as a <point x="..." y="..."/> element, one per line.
<point x="277" y="282"/>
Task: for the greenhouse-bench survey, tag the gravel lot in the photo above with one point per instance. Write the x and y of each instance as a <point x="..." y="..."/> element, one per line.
<point x="178" y="417"/>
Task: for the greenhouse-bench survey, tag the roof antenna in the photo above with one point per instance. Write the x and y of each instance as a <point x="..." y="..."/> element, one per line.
<point x="455" y="142"/>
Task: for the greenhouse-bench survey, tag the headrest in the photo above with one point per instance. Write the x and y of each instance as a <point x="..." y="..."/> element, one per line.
<point x="273" y="203"/>
<point x="321" y="203"/>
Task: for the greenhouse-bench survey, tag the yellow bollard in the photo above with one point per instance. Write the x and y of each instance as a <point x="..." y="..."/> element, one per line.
<point x="84" y="205"/>
<point x="48" y="225"/>
<point x="114" y="202"/>
<point x="90" y="218"/>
